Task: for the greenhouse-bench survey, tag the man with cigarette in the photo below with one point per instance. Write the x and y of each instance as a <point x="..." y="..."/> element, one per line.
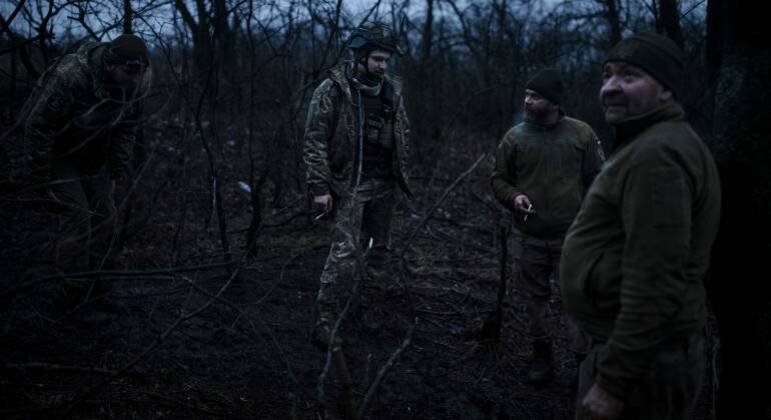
<point x="639" y="249"/>
<point x="543" y="166"/>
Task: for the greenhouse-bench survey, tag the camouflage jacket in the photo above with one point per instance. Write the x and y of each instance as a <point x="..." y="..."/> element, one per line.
<point x="72" y="115"/>
<point x="331" y="144"/>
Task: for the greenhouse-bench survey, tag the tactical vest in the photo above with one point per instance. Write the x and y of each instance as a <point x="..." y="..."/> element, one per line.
<point x="378" y="134"/>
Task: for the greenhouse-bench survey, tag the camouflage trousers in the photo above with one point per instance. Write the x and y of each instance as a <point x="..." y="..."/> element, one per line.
<point x="669" y="390"/>
<point x="87" y="218"/>
<point x="536" y="261"/>
<point x="361" y="228"/>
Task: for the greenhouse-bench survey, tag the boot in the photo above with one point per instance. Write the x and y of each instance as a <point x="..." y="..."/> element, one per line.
<point x="540" y="370"/>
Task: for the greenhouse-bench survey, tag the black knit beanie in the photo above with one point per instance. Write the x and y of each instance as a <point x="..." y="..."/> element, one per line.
<point x="127" y="49"/>
<point x="548" y="84"/>
<point x="658" y="55"/>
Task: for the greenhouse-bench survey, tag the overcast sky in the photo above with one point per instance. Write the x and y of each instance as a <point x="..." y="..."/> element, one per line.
<point x="354" y="9"/>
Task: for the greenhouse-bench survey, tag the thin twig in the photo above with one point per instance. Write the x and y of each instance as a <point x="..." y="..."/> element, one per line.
<point x="385" y="368"/>
<point x="439" y="202"/>
<point x="57" y="367"/>
<point x="117" y="273"/>
<point x="67" y="407"/>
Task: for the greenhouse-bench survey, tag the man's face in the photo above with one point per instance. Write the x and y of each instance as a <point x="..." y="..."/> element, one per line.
<point x="628" y="91"/>
<point x="127" y="75"/>
<point x="536" y="106"/>
<point x="377" y="62"/>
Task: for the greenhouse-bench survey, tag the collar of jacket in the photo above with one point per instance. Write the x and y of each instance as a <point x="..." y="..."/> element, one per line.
<point x="90" y="57"/>
<point x="533" y="125"/>
<point x="366" y="89"/>
<point x="630" y="129"/>
<point x="338" y="75"/>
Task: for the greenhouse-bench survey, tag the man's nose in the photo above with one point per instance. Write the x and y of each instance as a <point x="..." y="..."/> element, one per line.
<point x="609" y="85"/>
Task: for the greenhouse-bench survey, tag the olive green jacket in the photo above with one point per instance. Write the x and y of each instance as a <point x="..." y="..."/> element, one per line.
<point x="331" y="143"/>
<point x="553" y="166"/>
<point x="73" y="115"/>
<point x="634" y="260"/>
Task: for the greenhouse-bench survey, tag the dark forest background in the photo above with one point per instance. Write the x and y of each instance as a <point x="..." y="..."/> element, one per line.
<point x="220" y="179"/>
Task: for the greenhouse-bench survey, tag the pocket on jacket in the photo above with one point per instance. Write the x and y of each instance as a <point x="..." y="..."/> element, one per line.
<point x="604" y="282"/>
<point x="575" y="284"/>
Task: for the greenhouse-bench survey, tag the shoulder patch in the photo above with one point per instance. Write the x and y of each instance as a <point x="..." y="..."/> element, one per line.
<point x="55" y="103"/>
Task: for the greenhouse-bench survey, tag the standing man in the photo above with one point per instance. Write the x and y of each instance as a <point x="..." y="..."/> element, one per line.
<point x="634" y="261"/>
<point x="543" y="167"/>
<point x="78" y="137"/>
<point x="356" y="148"/>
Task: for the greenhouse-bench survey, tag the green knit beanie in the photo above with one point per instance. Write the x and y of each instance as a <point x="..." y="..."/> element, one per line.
<point x="548" y="84"/>
<point x="658" y="55"/>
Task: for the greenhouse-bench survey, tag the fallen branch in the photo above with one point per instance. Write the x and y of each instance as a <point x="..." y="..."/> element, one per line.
<point x="56" y="367"/>
<point x="117" y="273"/>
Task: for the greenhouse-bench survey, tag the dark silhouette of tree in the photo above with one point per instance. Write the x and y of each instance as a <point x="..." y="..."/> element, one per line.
<point x="739" y="64"/>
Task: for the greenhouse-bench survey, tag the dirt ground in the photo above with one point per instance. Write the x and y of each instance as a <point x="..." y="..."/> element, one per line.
<point x="197" y="337"/>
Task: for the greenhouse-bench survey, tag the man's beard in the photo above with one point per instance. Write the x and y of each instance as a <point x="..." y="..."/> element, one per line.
<point x="536" y="114"/>
<point x="372" y="78"/>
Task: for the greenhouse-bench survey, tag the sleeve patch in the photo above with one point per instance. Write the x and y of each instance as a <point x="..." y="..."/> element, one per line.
<point x="55" y="104"/>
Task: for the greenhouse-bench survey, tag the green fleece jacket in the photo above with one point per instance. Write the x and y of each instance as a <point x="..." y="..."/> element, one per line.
<point x="553" y="165"/>
<point x="634" y="260"/>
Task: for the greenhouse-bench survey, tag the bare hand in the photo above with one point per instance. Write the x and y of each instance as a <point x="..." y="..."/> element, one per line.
<point x="598" y="404"/>
<point x="522" y="203"/>
<point x="324" y="201"/>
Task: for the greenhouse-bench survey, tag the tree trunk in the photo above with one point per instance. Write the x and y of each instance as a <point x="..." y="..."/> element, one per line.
<point x="739" y="64"/>
<point x="670" y="19"/>
<point x="427" y="36"/>
<point x="128" y="17"/>
<point x="613" y="19"/>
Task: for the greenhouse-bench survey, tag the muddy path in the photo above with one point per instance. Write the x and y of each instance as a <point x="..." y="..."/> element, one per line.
<point x="196" y="336"/>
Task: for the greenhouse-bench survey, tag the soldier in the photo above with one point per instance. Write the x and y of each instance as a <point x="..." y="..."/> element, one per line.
<point x="78" y="137"/>
<point x="356" y="148"/>
<point x="634" y="261"/>
<point x="543" y="166"/>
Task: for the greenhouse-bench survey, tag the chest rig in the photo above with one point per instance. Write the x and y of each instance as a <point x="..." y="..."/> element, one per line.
<point x="378" y="111"/>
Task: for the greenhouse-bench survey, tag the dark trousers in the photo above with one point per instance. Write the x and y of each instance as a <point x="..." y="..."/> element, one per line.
<point x="536" y="261"/>
<point x="669" y="390"/>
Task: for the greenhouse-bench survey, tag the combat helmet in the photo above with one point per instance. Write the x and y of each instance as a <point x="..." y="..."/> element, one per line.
<point x="373" y="35"/>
